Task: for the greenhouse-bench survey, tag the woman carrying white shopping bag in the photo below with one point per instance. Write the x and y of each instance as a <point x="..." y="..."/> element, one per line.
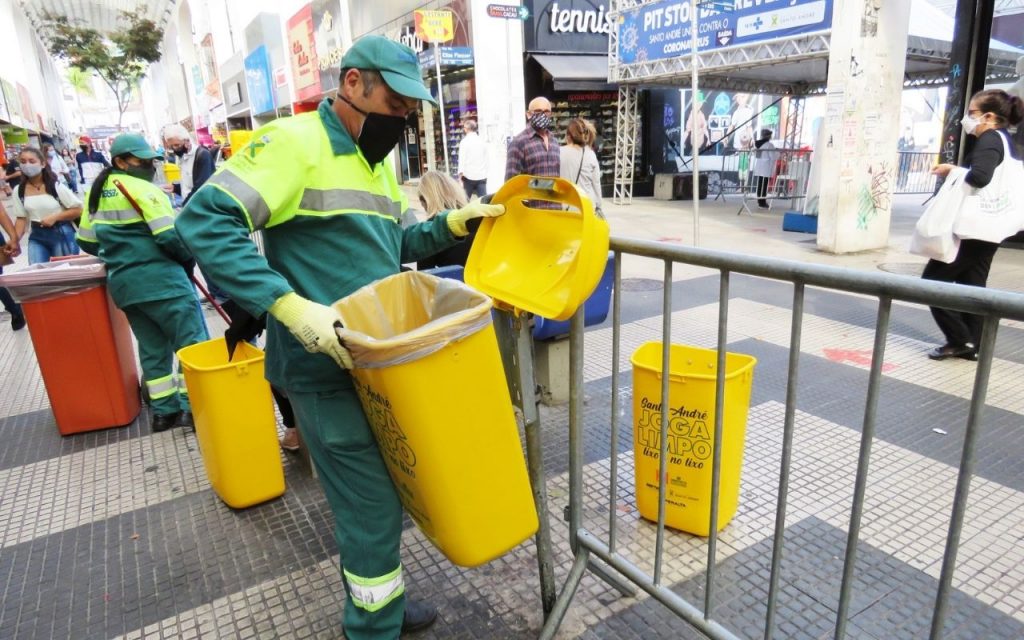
<point x="993" y="210"/>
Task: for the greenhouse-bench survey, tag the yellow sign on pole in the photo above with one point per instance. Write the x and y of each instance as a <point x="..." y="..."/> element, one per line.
<point x="434" y="26"/>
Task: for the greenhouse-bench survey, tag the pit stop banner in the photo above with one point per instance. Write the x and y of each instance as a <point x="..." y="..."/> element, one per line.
<point x="661" y="30"/>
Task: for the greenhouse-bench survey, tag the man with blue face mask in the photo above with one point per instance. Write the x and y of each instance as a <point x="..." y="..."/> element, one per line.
<point x="320" y="187"/>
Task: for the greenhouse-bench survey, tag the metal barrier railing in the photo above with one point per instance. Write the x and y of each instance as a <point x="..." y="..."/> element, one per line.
<point x="587" y="546"/>
<point x="733" y="175"/>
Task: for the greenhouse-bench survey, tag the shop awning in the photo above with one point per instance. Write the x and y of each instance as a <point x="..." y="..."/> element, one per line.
<point x="576" y="72"/>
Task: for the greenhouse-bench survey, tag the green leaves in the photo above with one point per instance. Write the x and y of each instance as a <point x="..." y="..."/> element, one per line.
<point x="120" y="58"/>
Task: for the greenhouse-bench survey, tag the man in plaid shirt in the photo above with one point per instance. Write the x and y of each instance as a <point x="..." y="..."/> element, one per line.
<point x="534" y="151"/>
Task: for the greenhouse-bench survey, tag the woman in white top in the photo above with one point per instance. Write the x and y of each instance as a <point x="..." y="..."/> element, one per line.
<point x="57" y="164"/>
<point x="579" y="162"/>
<point x="48" y="205"/>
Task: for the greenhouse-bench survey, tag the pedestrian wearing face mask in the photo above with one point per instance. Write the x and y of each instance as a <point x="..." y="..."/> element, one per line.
<point x="989" y="114"/>
<point x="534" y="151"/>
<point x="47" y="206"/>
<point x="195" y="161"/>
<point x="144" y="258"/>
<point x="320" y="187"/>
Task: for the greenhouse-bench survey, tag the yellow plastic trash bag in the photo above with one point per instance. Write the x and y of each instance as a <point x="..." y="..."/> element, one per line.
<point x="430" y="379"/>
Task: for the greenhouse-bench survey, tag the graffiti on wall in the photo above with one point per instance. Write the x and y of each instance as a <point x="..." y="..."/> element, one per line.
<point x="875" y="195"/>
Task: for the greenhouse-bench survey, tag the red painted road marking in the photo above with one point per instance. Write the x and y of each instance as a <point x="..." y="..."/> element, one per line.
<point x="855" y="356"/>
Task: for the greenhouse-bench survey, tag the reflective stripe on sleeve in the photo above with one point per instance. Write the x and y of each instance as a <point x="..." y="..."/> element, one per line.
<point x="373" y="594"/>
<point x="163" y="223"/>
<point x="255" y="206"/>
<point x="328" y="200"/>
<point x="86" y="233"/>
<point x="161" y="387"/>
<point x="115" y="215"/>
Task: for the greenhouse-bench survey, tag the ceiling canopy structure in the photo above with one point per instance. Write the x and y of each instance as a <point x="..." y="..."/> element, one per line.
<point x="793" y="64"/>
<point x="101" y="15"/>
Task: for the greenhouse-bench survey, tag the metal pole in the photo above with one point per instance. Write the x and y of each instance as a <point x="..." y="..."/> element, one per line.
<point x="860" y="487"/>
<point x="694" y="107"/>
<point x="666" y="374"/>
<point x="787" y="456"/>
<point x="440" y="102"/>
<point x="963" y="480"/>
<point x="716" y="455"/>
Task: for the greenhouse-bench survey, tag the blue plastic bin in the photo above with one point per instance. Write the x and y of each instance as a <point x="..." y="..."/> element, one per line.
<point x="595" y="309"/>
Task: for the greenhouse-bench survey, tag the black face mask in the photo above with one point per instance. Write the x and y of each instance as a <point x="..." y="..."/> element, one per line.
<point x="379" y="135"/>
<point x="180" y="151"/>
<point x="146" y="171"/>
<point x="83" y="147"/>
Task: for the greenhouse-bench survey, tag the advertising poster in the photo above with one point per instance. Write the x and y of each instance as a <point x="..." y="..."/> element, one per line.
<point x="302" y="52"/>
<point x="209" y="61"/>
<point x="328" y="42"/>
<point x="258" y="81"/>
<point x="661" y="30"/>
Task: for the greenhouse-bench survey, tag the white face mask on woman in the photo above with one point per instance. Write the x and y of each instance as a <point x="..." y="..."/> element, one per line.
<point x="31" y="170"/>
<point x="970" y="124"/>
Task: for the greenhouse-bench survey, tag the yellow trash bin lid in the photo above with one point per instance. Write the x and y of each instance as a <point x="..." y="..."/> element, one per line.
<point x="172" y="172"/>
<point x="543" y="261"/>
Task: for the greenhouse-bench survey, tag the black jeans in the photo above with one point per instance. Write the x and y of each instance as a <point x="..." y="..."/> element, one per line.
<point x="479" y="187"/>
<point x="970" y="267"/>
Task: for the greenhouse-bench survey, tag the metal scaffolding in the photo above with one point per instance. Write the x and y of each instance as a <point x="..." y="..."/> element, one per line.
<point x="626" y="133"/>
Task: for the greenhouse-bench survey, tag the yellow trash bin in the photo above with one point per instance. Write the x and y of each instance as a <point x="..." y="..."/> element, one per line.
<point x="234" y="417"/>
<point x="430" y="379"/>
<point x="691" y="433"/>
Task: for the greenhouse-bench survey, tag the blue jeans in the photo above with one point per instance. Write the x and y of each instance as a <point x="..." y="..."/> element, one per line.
<point x="51" y="242"/>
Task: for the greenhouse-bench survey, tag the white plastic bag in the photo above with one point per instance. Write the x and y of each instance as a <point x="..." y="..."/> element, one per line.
<point x="996" y="211"/>
<point x="933" y="235"/>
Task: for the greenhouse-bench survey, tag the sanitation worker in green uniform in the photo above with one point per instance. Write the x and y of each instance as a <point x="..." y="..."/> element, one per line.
<point x="145" y="276"/>
<point x="319" y="187"/>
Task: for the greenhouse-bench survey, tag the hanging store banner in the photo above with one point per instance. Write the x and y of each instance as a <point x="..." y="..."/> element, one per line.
<point x="302" y="51"/>
<point x="211" y="75"/>
<point x="661" y="30"/>
<point x="14" y="135"/>
<point x="258" y="81"/>
<point x="28" y="114"/>
<point x="329" y="42"/>
<point x="434" y="26"/>
<point x="13" y="102"/>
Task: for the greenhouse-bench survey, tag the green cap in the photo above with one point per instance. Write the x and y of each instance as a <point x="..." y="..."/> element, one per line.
<point x="397" y="64"/>
<point x="134" y="144"/>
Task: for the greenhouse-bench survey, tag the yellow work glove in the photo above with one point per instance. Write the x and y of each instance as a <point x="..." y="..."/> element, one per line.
<point x="458" y="218"/>
<point x="313" y="325"/>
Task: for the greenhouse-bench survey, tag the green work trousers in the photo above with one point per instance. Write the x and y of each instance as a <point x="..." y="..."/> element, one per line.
<point x="162" y="327"/>
<point x="367" y="512"/>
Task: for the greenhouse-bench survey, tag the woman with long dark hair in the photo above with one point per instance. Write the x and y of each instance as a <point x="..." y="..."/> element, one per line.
<point x="989" y="114"/>
<point x="48" y="206"/>
<point x="147" y="271"/>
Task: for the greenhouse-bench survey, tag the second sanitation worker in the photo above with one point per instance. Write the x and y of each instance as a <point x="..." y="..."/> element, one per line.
<point x="330" y="209"/>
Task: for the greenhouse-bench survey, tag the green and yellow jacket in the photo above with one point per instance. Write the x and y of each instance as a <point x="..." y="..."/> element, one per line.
<point x="143" y="253"/>
<point x="330" y="221"/>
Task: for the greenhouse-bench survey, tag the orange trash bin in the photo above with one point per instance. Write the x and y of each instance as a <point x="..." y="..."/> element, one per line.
<point x="83" y="344"/>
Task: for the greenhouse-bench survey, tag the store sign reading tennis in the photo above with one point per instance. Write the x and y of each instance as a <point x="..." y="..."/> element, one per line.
<point x="688" y="437"/>
<point x="580" y="21"/>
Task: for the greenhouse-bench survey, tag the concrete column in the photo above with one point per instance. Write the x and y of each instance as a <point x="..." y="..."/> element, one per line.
<point x="858" y="159"/>
<point x="501" y="104"/>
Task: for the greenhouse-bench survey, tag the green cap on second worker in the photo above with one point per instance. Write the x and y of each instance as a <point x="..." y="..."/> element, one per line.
<point x="134" y="144"/>
<point x="397" y="64"/>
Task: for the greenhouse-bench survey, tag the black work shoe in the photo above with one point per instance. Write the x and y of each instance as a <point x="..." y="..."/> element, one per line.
<point x="164" y="421"/>
<point x="17" y="322"/>
<point x="952" y="351"/>
<point x="185" y="420"/>
<point x="418" y="616"/>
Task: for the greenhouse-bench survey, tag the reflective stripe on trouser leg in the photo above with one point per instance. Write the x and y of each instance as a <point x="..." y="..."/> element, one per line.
<point x="364" y="502"/>
<point x="162" y="327"/>
<point x="161" y="387"/>
<point x="374" y="594"/>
